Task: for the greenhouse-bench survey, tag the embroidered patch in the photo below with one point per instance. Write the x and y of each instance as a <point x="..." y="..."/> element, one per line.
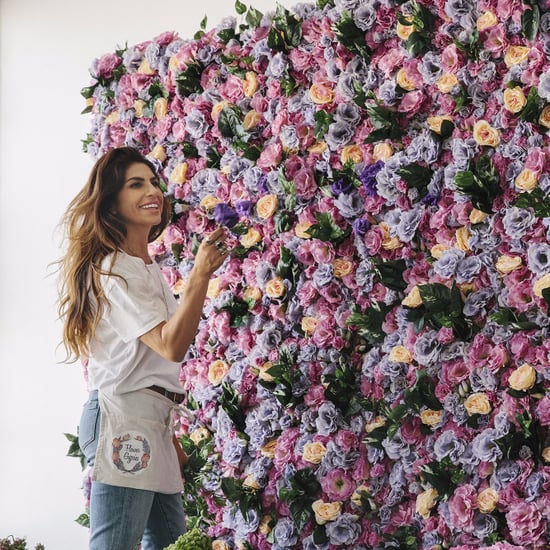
<point x="131" y="452"/>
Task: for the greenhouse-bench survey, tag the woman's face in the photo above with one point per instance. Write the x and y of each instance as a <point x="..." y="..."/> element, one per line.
<point x="139" y="202"/>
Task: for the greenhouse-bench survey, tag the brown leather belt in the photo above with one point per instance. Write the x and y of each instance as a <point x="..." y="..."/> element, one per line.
<point x="173" y="396"/>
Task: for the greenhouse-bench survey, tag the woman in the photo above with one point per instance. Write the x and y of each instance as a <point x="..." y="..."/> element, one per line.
<point x="120" y="316"/>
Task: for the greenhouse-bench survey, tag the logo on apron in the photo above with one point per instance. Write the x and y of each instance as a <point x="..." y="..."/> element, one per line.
<point x="131" y="452"/>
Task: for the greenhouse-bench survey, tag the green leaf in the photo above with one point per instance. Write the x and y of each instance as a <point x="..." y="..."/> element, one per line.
<point x="240" y="8"/>
<point x="74" y="449"/>
<point x="369" y="324"/>
<point x="230" y="402"/>
<point x="532" y="109"/>
<point x="254" y="17"/>
<point x="189" y="81"/>
<point x="351" y="36"/>
<point x="442" y="476"/>
<point x="326" y="229"/>
<point x="83" y="519"/>
<point x="507" y="317"/>
<point x="322" y="122"/>
<point x="390" y="273"/>
<point x="537" y="200"/>
<point x="530" y="21"/>
<point x="229" y="123"/>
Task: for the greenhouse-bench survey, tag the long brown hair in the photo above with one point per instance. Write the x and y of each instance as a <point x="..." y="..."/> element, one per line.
<point x="93" y="231"/>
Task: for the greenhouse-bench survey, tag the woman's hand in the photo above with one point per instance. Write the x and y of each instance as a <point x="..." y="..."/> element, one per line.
<point x="212" y="252"/>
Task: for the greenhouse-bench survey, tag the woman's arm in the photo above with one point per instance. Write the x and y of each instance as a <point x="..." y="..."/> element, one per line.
<point x="172" y="338"/>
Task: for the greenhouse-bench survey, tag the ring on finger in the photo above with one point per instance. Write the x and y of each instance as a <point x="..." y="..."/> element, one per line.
<point x="220" y="246"/>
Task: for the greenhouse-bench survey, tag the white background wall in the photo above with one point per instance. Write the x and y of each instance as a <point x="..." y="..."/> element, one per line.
<point x="46" y="49"/>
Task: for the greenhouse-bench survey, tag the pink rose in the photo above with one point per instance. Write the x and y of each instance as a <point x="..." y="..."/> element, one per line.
<point x="337" y="485"/>
<point x="270" y="156"/>
<point x="232" y="89"/>
<point x="173" y="235"/>
<point x="543" y="411"/>
<point x="305" y="183"/>
<point x="462" y="505"/>
<point x="525" y="522"/>
<point x="105" y="65"/>
<point x="322" y="252"/>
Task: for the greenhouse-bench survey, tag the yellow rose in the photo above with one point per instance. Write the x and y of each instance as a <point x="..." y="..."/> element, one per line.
<point x="486" y="21"/>
<point x="378" y="422"/>
<point x="251" y="295"/>
<point x="353" y="153"/>
<point x="541" y="284"/>
<point x="161" y="107"/>
<point x="527" y="180"/>
<point x="317" y="147"/>
<point x="462" y="236"/>
<point x="139" y="104"/>
<point x="546" y="454"/>
<point x="342" y="267"/>
<point x="314" y="452"/>
<point x="430" y="417"/>
<point x="250" y="83"/>
<point x="514" y="99"/>
<point x="544" y="117"/>
<point x="403" y="81"/>
<point x="173" y="63"/>
<point x="213" y="288"/>
<point x="477" y="403"/>
<point x="485" y="134"/>
<point x="219" y="544"/>
<point x="267" y="206"/>
<point x="389" y="242"/>
<point x="301" y="230"/>
<point x="515" y="55"/>
<point x="275" y="288"/>
<point x="425" y="501"/>
<point x="403" y="31"/>
<point x="145" y="67"/>
<point x="178" y="173"/>
<point x="209" y="202"/>
<point x="251" y="482"/>
<point x="326" y="511"/>
<point x="487" y="500"/>
<point x="435" y="122"/>
<point x="251" y="237"/>
<point x="217" y="371"/>
<point x="265" y="524"/>
<point x="251" y="120"/>
<point x="413" y="298"/>
<point x="309" y="324"/>
<point x="359" y="494"/>
<point x="506" y="264"/>
<point x="321" y="94"/>
<point x="112" y="117"/>
<point x="382" y="151"/>
<point x="268" y="450"/>
<point x="262" y="372"/>
<point x="218" y="108"/>
<point x="199" y="435"/>
<point x="400" y="354"/>
<point x="447" y="82"/>
<point x="523" y="378"/>
<point x="179" y="287"/>
<point x="158" y="153"/>
<point x="477" y="216"/>
<point x="438" y="249"/>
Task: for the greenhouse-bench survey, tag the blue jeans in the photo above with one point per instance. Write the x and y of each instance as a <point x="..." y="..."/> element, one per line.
<point x="121" y="517"/>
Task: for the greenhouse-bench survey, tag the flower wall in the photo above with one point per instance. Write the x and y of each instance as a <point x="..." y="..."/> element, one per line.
<point x="371" y="370"/>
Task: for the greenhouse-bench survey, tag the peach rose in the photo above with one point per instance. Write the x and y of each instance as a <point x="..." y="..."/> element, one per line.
<point x="275" y="288"/>
<point x="145" y="67"/>
<point x="523" y="378"/>
<point x="199" y="435"/>
<point x="447" y="82"/>
<point x="359" y="494"/>
<point x="413" y="298"/>
<point x="309" y="324"/>
<point x="268" y="450"/>
<point x="266" y="206"/>
<point x="179" y="287"/>
<point x="382" y="151"/>
<point x="425" y="501"/>
<point x="250" y="83"/>
<point x="351" y="153"/>
<point x="301" y="228"/>
<point x="527" y="180"/>
<point x="430" y="417"/>
<point x="403" y="30"/>
<point x="321" y="94"/>
<point x="219" y="544"/>
<point x="477" y="216"/>
<point x="318" y="147"/>
<point x="217" y="371"/>
<point x="161" y="107"/>
<point x="435" y="122"/>
<point x="251" y="482"/>
<point x="218" y="108"/>
<point x="486" y="21"/>
<point x="487" y="500"/>
<point x="541" y="284"/>
<point x="112" y="117"/>
<point x="158" y="153"/>
<point x="506" y="264"/>
<point x="178" y="173"/>
<point x="213" y="288"/>
<point x="251" y="120"/>
<point x="544" y="117"/>
<point x="314" y="452"/>
<point x="139" y="104"/>
<point x="326" y="511"/>
<point x="265" y="524"/>
<point x="515" y="55"/>
<point x="404" y="81"/>
<point x="477" y="403"/>
<point x="342" y="267"/>
<point x="514" y="99"/>
<point x="485" y="134"/>
<point x="251" y="237"/>
<point x="251" y="295"/>
<point x="262" y="371"/>
<point x="546" y="455"/>
<point x="209" y="202"/>
<point x="438" y="249"/>
<point x="400" y="354"/>
<point x="378" y="422"/>
<point x="462" y="236"/>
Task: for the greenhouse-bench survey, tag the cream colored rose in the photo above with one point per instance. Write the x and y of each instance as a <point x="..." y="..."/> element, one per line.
<point x="342" y="267"/>
<point x="199" y="435"/>
<point x="403" y="80"/>
<point x="318" y="147"/>
<point x="314" y="452"/>
<point x="301" y="230"/>
<point x="275" y="288"/>
<point x="321" y="94"/>
<point x="486" y="21"/>
<point x="389" y="242"/>
<point x="309" y="324"/>
<point x="326" y="511"/>
<point x="462" y="236"/>
<point x="541" y="284"/>
<point x="477" y="403"/>
<point x="425" y="501"/>
<point x="268" y="450"/>
<point x="139" y="104"/>
<point x="382" y="151"/>
<point x="251" y="482"/>
<point x="262" y="371"/>
<point x="477" y="216"/>
<point x="447" y="82"/>
<point x="267" y="206"/>
<point x="435" y="122"/>
<point x="544" y="117"/>
<point x="378" y="422"/>
<point x="527" y="180"/>
<point x="251" y="120"/>
<point x="178" y="173"/>
<point x="438" y="249"/>
<point x="179" y="287"/>
<point x="359" y="494"/>
<point x="506" y="264"/>
<point x="515" y="55"/>
<point x="429" y="417"/>
<point x="485" y="134"/>
<point x="145" y="67"/>
<point x="252" y="294"/>
<point x="487" y="500"/>
<point x="546" y="455"/>
<point x="514" y="99"/>
<point x="413" y="298"/>
<point x="213" y="288"/>
<point x="161" y="107"/>
<point x="112" y="117"/>
<point x="265" y="524"/>
<point x="251" y="237"/>
<point x="219" y="544"/>
<point x="523" y="378"/>
<point x="400" y="354"/>
<point x="250" y="83"/>
<point x="351" y="153"/>
<point x="209" y="202"/>
<point x="218" y="108"/>
<point x="158" y="153"/>
<point x="217" y="371"/>
<point x="404" y="31"/>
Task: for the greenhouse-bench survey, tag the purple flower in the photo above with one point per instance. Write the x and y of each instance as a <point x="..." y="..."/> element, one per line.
<point x="344" y="530"/>
<point x="368" y="177"/>
<point x="225" y="215"/>
<point x="285" y="533"/>
<point x="342" y="185"/>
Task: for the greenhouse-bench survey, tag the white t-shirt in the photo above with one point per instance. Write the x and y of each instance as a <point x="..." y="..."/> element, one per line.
<point x="119" y="362"/>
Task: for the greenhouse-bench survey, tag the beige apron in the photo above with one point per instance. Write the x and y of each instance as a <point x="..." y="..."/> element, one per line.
<point x="135" y="446"/>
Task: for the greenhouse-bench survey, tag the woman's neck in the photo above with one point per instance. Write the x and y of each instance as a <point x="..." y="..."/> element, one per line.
<point x="136" y="248"/>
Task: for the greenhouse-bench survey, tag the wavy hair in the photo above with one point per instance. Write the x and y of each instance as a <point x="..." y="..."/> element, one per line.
<point x="93" y="231"/>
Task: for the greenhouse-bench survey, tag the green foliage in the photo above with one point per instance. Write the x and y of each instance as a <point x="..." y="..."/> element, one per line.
<point x="286" y="30"/>
<point x="245" y="497"/>
<point x="385" y="123"/>
<point x="326" y="229"/>
<point x="189" y="81"/>
<point x="230" y="402"/>
<point x="530" y="20"/>
<point x="515" y="321"/>
<point x="341" y="388"/>
<point x="194" y="539"/>
<point x="390" y="273"/>
<point x="368" y="324"/>
<point x="74" y="449"/>
<point x="16" y="543"/>
<point x="537" y="200"/>
<point x="443" y="476"/>
<point x="303" y="490"/>
<point x="417" y="176"/>
<point x="351" y="36"/>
